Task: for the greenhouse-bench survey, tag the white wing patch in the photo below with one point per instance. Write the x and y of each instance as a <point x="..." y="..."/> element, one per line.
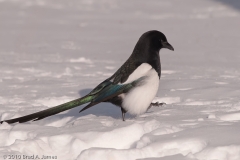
<point x="141" y="71"/>
<point x="138" y="99"/>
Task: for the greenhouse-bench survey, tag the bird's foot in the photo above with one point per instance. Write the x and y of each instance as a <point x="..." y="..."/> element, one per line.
<point x="156" y="104"/>
<point x="123" y="113"/>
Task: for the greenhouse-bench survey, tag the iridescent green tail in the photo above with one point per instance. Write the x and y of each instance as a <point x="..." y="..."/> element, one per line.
<point x="51" y="111"/>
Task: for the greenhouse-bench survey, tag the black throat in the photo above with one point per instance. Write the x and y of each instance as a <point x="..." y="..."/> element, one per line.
<point x="150" y="55"/>
<point x="144" y="52"/>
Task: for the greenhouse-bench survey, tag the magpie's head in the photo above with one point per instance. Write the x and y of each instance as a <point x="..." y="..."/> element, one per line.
<point x="155" y="40"/>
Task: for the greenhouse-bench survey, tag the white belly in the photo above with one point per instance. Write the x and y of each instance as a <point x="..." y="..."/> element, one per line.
<point x="138" y="99"/>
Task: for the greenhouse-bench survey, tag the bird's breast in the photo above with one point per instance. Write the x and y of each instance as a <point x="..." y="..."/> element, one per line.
<point x="137" y="100"/>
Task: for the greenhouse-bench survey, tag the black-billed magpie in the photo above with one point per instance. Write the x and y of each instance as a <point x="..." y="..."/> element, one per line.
<point x="132" y="87"/>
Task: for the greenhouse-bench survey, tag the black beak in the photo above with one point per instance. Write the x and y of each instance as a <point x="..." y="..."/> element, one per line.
<point x="167" y="45"/>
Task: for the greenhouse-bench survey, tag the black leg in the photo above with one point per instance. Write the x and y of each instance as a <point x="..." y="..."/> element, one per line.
<point x="156" y="104"/>
<point x="123" y="113"/>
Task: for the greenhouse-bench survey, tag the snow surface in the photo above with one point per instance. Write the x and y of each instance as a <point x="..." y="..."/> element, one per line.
<point x="55" y="51"/>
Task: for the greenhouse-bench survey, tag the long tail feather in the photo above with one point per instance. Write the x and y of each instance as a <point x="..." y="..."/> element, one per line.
<point x="51" y="111"/>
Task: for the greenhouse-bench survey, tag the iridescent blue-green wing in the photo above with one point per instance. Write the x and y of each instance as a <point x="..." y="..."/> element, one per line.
<point x="112" y="90"/>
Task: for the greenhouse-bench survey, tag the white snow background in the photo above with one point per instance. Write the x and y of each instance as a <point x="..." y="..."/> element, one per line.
<point x="56" y="51"/>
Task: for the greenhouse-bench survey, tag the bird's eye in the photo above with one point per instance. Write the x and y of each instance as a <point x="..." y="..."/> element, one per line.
<point x="163" y="41"/>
